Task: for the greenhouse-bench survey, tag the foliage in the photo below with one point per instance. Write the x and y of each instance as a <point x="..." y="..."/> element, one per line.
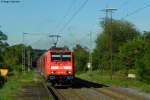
<point x="14" y="85"/>
<point x="3" y="36"/>
<point x="130" y="52"/>
<point x="135" y="54"/>
<point x="101" y="78"/>
<point x="81" y="58"/>
<point x="143" y="63"/>
<point x="122" y="31"/>
<point x="130" y="49"/>
<point x="36" y="53"/>
<point x="13" y="55"/>
<point x="3" y="45"/>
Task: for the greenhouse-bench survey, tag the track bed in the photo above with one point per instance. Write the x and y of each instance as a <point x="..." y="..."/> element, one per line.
<point x="84" y="90"/>
<point x="35" y="91"/>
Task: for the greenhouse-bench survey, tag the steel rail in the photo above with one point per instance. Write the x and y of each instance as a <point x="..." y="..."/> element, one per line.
<point x="114" y="93"/>
<point x="57" y="95"/>
<point x="81" y="98"/>
<point x="45" y="86"/>
<point x="122" y="94"/>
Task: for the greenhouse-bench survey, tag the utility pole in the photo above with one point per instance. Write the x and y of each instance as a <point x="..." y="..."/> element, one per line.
<point x="90" y="51"/>
<point x="23" y="54"/>
<point x="26" y="54"/>
<point x="57" y="37"/>
<point x="109" y="11"/>
<point x="29" y="59"/>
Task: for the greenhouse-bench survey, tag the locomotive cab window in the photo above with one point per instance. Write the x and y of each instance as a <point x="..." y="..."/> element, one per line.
<point x="66" y="56"/>
<point x="63" y="56"/>
<point x="56" y="57"/>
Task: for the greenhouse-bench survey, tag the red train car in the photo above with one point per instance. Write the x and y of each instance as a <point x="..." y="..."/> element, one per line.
<point x="57" y="65"/>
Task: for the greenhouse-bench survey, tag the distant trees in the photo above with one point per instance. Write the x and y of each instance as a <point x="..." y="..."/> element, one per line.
<point x="10" y="56"/>
<point x="81" y="58"/>
<point x="3" y="45"/>
<point x="13" y="55"/>
<point x="36" y="53"/>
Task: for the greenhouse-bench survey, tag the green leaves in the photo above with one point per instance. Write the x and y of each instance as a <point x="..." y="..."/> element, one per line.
<point x="81" y="58"/>
<point x="130" y="49"/>
<point x="13" y="55"/>
<point x="122" y="32"/>
<point x="129" y="52"/>
<point x="3" y="46"/>
<point x="2" y="36"/>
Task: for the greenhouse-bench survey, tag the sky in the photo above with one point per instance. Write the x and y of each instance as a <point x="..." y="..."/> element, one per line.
<point x="40" y="18"/>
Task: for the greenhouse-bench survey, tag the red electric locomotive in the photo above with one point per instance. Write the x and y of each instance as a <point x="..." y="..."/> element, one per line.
<point x="57" y="65"/>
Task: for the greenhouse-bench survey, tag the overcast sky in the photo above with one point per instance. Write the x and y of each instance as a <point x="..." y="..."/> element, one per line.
<point x="43" y="17"/>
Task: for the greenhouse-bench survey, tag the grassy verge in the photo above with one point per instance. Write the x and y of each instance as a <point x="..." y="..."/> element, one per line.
<point x="14" y="84"/>
<point x="97" y="77"/>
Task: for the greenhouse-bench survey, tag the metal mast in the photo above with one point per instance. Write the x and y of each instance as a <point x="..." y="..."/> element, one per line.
<point x="110" y="11"/>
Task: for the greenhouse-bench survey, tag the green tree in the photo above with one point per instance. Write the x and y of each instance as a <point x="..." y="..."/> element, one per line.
<point x="36" y="53"/>
<point x="13" y="55"/>
<point x="3" y="45"/>
<point x="81" y="58"/>
<point x="143" y="63"/>
<point x="130" y="52"/>
<point x="122" y="31"/>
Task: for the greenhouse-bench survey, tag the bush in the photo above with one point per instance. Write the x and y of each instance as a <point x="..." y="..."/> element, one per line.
<point x="143" y="68"/>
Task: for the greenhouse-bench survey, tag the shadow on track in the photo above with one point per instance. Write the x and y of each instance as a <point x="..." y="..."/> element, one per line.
<point x="79" y="83"/>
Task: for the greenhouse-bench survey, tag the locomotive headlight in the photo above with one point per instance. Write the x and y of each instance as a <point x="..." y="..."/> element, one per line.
<point x="69" y="72"/>
<point x="67" y="67"/>
<point x="54" y="67"/>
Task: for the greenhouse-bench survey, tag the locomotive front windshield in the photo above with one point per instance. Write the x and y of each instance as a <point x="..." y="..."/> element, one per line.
<point x="60" y="56"/>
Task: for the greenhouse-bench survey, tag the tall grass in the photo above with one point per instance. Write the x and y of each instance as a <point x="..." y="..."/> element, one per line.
<point x="98" y="77"/>
<point x="14" y="84"/>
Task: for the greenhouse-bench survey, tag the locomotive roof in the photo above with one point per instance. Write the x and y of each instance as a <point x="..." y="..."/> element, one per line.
<point x="59" y="48"/>
<point x="56" y="49"/>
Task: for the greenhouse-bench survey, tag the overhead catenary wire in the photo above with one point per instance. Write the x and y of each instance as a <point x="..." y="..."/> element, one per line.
<point x="137" y="11"/>
<point x="126" y="2"/>
<point x="73" y="16"/>
<point x="67" y="12"/>
<point x="40" y="39"/>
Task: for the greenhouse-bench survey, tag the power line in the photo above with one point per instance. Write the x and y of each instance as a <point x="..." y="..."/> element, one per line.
<point x="40" y="39"/>
<point x="67" y="13"/>
<point x="73" y="16"/>
<point x="137" y="11"/>
<point x="123" y="4"/>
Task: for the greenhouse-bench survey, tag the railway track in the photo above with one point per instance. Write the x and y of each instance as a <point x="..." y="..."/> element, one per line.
<point x="84" y="90"/>
<point x="113" y="92"/>
<point x="62" y="94"/>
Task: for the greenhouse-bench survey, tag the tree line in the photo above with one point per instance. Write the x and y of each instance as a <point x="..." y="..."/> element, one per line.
<point x="129" y="47"/>
<point x="11" y="55"/>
